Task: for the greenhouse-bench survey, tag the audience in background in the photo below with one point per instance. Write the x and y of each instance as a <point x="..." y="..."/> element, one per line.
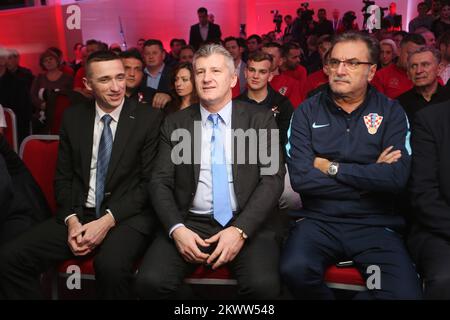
<point x="17" y="70"/>
<point x="444" y="48"/>
<point x="423" y="19"/>
<point x="393" y="79"/>
<point x="424" y="66"/>
<point x="52" y="79"/>
<point x="388" y="53"/>
<point x="183" y="88"/>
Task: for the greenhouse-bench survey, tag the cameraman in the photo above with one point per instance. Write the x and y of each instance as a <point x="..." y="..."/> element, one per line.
<point x="304" y="25"/>
<point x="348" y="22"/>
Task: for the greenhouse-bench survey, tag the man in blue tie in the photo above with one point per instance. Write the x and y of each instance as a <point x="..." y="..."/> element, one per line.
<point x="217" y="205"/>
<point x="105" y="159"/>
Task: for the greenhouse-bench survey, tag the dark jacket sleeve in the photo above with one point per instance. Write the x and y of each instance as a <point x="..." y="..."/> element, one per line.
<point x="136" y="199"/>
<point x="432" y="210"/>
<point x="382" y="177"/>
<point x="162" y="183"/>
<point x="265" y="196"/>
<point x="305" y="179"/>
<point x="64" y="176"/>
<point x="5" y="189"/>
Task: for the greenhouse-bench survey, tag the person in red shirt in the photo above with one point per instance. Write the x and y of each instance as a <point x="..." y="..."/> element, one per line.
<point x="320" y="77"/>
<point x="78" y="83"/>
<point x="283" y="84"/>
<point x="291" y="65"/>
<point x="393" y="80"/>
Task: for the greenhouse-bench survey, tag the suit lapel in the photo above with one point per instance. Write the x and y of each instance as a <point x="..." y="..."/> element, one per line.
<point x="237" y="122"/>
<point x="196" y="142"/>
<point x="86" y="138"/>
<point x="124" y="129"/>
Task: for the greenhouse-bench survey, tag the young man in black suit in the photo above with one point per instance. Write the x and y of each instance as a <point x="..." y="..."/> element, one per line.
<point x="429" y="241"/>
<point x="217" y="205"/>
<point x="104" y="163"/>
<point x="204" y="31"/>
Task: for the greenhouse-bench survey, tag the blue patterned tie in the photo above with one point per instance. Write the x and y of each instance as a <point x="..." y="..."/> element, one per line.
<point x="221" y="195"/>
<point x="103" y="156"/>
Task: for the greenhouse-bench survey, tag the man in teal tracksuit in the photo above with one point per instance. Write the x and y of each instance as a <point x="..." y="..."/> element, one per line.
<point x="348" y="156"/>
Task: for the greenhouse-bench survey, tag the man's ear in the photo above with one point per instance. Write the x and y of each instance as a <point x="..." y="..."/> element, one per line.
<point x="372" y="71"/>
<point x="86" y="83"/>
<point x="270" y="76"/>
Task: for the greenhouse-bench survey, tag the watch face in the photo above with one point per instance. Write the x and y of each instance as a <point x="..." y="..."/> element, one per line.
<point x="332" y="170"/>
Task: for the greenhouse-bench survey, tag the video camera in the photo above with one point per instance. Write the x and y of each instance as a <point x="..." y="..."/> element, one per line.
<point x="277" y="19"/>
<point x="307" y="14"/>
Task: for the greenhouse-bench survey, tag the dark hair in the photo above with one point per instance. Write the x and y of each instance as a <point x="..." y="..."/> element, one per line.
<point x="400" y="33"/>
<point x="288" y="16"/>
<point x="92" y="41"/>
<point x="444" y="39"/>
<point x="132" y="53"/>
<point x="99" y="56"/>
<point x="202" y="10"/>
<point x="154" y="42"/>
<point x="256" y="37"/>
<point x="56" y="50"/>
<point x="288" y="47"/>
<point x="322" y="10"/>
<point x="414" y="38"/>
<point x="48" y="53"/>
<point x="324" y="38"/>
<point x="259" y="56"/>
<point x="172" y="42"/>
<point x="228" y="39"/>
<point x="188" y="47"/>
<point x="175" y="104"/>
<point x="272" y="45"/>
<point x="352" y="36"/>
<point x="76" y="45"/>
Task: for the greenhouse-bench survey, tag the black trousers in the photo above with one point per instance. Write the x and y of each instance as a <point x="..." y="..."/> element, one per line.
<point x="312" y="246"/>
<point x="433" y="262"/>
<point x="34" y="252"/>
<point x="163" y="269"/>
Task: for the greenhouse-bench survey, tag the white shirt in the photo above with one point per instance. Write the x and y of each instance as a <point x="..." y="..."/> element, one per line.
<point x="203" y="199"/>
<point x="98" y="129"/>
<point x="2" y="117"/>
<point x="204" y="31"/>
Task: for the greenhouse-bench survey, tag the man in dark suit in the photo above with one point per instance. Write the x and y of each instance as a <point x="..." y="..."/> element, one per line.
<point x="104" y="163"/>
<point x="204" y="31"/>
<point x="156" y="83"/>
<point x="215" y="211"/>
<point x="429" y="241"/>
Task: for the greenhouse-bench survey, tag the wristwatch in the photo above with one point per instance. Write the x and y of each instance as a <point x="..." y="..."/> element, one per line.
<point x="242" y="233"/>
<point x="333" y="169"/>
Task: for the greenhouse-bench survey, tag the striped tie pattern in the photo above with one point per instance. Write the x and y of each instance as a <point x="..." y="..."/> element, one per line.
<point x="103" y="156"/>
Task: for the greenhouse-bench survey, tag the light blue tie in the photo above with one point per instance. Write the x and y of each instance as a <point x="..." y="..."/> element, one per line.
<point x="103" y="156"/>
<point x="221" y="195"/>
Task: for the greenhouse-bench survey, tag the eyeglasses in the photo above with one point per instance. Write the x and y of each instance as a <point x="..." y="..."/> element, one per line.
<point x="351" y="64"/>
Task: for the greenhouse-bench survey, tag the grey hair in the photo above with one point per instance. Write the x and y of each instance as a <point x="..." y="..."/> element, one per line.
<point x="210" y="49"/>
<point x="436" y="53"/>
<point x="353" y="36"/>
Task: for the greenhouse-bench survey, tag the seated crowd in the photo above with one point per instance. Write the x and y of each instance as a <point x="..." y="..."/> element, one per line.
<point x="276" y="156"/>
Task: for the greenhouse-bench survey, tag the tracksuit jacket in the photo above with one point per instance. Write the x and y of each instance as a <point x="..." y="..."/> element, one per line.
<point x="363" y="191"/>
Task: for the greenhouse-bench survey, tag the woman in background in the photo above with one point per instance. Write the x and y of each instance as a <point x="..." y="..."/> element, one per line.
<point x="184" y="92"/>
